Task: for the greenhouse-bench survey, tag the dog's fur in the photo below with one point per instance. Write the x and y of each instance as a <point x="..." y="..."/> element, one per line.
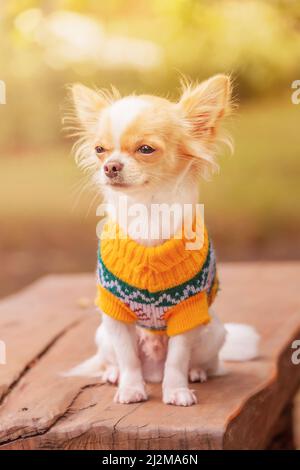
<point x="184" y="136"/>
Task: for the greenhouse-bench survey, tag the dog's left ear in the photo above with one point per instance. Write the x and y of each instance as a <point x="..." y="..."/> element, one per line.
<point x="87" y="104"/>
<point x="205" y="104"/>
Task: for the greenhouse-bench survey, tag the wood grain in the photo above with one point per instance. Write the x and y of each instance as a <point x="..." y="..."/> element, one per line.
<point x="47" y="332"/>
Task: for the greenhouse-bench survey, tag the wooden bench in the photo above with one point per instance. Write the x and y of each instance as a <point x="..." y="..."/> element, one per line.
<point x="49" y="327"/>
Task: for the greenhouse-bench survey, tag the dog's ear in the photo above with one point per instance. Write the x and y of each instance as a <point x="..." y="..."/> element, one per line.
<point x="88" y="104"/>
<point x="205" y="104"/>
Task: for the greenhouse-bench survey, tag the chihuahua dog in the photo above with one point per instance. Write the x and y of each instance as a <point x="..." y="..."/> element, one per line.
<point x="157" y="323"/>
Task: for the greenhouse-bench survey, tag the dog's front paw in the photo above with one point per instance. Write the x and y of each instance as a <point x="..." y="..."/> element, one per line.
<point x="127" y="394"/>
<point x="179" y="396"/>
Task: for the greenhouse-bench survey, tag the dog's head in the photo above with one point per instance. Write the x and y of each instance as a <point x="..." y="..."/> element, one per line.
<point x="140" y="142"/>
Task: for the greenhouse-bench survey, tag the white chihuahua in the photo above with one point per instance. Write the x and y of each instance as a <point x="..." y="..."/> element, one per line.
<point x="157" y="323"/>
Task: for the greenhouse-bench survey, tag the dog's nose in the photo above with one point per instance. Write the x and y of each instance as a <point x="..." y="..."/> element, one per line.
<point x="113" y="168"/>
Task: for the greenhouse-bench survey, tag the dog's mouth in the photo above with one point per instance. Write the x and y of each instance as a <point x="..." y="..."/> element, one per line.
<point x="122" y="185"/>
<point x="118" y="184"/>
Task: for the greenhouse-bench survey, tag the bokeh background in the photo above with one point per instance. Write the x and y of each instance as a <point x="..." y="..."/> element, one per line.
<point x="48" y="215"/>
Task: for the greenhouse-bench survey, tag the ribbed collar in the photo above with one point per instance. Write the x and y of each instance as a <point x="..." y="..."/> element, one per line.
<point x="157" y="267"/>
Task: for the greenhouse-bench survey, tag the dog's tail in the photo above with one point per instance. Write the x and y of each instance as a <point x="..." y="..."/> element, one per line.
<point x="241" y="343"/>
<point x="91" y="367"/>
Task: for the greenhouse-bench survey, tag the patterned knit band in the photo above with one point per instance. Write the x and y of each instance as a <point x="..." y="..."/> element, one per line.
<point x="152" y="309"/>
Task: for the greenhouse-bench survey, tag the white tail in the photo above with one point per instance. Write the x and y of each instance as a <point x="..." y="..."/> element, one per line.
<point x="91" y="367"/>
<point x="241" y="343"/>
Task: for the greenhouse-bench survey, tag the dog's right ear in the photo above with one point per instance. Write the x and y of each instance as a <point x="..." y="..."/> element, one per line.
<point x="204" y="105"/>
<point x="88" y="104"/>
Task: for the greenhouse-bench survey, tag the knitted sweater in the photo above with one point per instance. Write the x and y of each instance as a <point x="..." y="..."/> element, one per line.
<point x="166" y="288"/>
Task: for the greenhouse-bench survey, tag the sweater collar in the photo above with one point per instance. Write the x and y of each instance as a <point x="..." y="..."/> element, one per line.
<point x="116" y="244"/>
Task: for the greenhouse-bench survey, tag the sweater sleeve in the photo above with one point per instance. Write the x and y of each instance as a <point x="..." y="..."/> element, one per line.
<point x="112" y="306"/>
<point x="188" y="314"/>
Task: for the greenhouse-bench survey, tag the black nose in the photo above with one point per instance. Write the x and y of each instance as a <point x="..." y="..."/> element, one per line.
<point x="113" y="168"/>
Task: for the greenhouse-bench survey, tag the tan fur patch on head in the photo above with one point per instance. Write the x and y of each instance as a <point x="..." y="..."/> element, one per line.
<point x="155" y="127"/>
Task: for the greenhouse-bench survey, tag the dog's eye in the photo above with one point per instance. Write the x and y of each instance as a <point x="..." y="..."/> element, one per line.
<point x="99" y="149"/>
<point x="146" y="149"/>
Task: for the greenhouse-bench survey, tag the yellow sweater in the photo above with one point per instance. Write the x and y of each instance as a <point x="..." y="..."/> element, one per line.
<point x="166" y="289"/>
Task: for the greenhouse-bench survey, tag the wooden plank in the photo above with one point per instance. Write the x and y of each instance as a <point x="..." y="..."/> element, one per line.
<point x="32" y="320"/>
<point x="45" y="410"/>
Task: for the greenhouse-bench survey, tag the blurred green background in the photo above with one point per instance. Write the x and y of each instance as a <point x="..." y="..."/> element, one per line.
<point x="47" y="216"/>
